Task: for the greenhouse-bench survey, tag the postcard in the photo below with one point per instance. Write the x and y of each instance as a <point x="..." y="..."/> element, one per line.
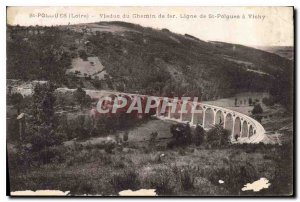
<point x="150" y="101"/>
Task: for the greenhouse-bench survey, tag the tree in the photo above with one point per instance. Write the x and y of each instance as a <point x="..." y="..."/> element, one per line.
<point x="97" y="83"/>
<point x="125" y="136"/>
<point x="83" y="55"/>
<point x="16" y="100"/>
<point x="250" y="101"/>
<point x="257" y="109"/>
<point x="42" y="128"/>
<point x="82" y="98"/>
<point x="43" y="103"/>
<point x="256" y="112"/>
<point x="187" y="133"/>
<point x="199" y="135"/>
<point x="108" y="81"/>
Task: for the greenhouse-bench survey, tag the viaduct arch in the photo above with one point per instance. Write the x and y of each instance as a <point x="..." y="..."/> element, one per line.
<point x="246" y="128"/>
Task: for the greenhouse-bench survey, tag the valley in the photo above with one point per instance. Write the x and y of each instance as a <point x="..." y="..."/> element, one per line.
<point x="57" y="140"/>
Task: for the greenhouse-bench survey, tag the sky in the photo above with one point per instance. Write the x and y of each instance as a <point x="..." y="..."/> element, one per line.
<point x="272" y="26"/>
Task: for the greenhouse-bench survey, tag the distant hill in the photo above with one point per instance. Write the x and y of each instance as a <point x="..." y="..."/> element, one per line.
<point x="145" y="60"/>
<point x="283" y="51"/>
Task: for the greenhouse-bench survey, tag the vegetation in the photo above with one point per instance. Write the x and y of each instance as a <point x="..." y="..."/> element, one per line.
<point x="148" y="61"/>
<point x="268" y="101"/>
<point x="82" y="98"/>
<point x="45" y="58"/>
<point x="113" y="166"/>
<point x="182" y="135"/>
<point x="57" y="151"/>
<point x="16" y="100"/>
<point x="257" y="109"/>
<point x="127" y="179"/>
<point x="39" y="143"/>
<point x="217" y="137"/>
<point x="199" y="135"/>
<point x="256" y="112"/>
<point x="197" y="172"/>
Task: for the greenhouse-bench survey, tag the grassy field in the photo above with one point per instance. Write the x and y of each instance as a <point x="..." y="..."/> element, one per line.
<point x="85" y="168"/>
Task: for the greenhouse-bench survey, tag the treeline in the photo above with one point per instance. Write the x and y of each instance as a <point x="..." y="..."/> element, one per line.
<point x="36" y="56"/>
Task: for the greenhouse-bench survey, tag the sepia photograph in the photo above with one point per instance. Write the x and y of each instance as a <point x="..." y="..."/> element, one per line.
<point x="150" y="101"/>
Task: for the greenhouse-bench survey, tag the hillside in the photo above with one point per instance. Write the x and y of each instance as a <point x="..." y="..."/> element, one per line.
<point x="283" y="51"/>
<point x="145" y="60"/>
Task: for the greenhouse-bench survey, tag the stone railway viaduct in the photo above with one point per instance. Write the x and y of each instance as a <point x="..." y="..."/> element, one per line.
<point x="248" y="129"/>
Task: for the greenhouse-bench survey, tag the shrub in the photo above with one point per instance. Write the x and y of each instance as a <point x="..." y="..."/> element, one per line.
<point x="119" y="164"/>
<point x="12" y="128"/>
<point x="82" y="186"/>
<point x="127" y="179"/>
<point x="77" y="156"/>
<point x="152" y="140"/>
<point x="83" y="55"/>
<point x="52" y="154"/>
<point x="217" y="136"/>
<point x="125" y="137"/>
<point x="20" y="159"/>
<point x="282" y="181"/>
<point x="181" y="152"/>
<point x="181" y="134"/>
<point x="235" y="175"/>
<point x="171" y="144"/>
<point x="257" y="117"/>
<point x="185" y="175"/>
<point x="162" y="182"/>
<point x="187" y="180"/>
<point x="109" y="146"/>
<point x="199" y="135"/>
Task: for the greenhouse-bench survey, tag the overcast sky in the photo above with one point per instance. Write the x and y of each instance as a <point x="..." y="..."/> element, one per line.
<point x="272" y="27"/>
